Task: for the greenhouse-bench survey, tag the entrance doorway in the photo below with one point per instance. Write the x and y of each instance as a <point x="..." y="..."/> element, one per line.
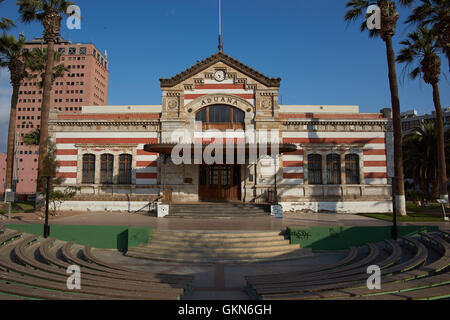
<point x="219" y="183"/>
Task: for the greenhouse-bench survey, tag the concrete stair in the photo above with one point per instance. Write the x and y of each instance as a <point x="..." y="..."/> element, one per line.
<point x="217" y="247"/>
<point x="218" y="210"/>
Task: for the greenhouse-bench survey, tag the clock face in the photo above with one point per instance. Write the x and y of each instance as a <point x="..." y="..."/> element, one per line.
<point x="219" y="75"/>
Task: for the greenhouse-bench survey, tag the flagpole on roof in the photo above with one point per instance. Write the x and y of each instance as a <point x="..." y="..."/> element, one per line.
<point x="220" y="26"/>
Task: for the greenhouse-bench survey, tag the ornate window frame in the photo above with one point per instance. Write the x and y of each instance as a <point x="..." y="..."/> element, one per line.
<point x="98" y="151"/>
<point x="324" y="150"/>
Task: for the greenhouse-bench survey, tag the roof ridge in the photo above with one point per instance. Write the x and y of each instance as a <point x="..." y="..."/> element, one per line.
<point x="222" y="57"/>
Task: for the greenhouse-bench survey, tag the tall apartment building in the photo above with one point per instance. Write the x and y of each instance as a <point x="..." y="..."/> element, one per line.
<point x="411" y="119"/>
<point x="86" y="83"/>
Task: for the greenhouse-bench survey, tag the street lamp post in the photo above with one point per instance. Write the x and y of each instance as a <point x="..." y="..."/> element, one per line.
<point x="46" y="226"/>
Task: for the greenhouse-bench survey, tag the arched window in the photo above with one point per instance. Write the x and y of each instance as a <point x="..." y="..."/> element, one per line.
<point x="220" y="115"/>
<point x="315" y="169"/>
<point x="352" y="169"/>
<point x="125" y="166"/>
<point x="88" y="169"/>
<point x="333" y="169"/>
<point x="106" y="168"/>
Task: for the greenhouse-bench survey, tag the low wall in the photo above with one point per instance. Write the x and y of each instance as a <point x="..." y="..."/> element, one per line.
<point x="105" y="237"/>
<point x="109" y="206"/>
<point x="340" y="238"/>
<point x="351" y="207"/>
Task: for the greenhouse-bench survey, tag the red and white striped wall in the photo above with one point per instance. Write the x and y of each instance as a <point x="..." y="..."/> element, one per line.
<point x="374" y="161"/>
<point x="68" y="155"/>
<point x="293" y="170"/>
<point x="214" y="87"/>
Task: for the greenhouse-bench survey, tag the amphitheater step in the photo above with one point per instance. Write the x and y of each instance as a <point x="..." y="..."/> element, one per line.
<point x="211" y="244"/>
<point x="218" y="210"/>
<point x="217" y="247"/>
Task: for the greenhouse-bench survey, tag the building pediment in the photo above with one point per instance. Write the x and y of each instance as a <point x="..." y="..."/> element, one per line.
<point x="218" y="58"/>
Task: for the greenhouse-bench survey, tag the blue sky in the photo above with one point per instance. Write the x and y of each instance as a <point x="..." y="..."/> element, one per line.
<point x="320" y="58"/>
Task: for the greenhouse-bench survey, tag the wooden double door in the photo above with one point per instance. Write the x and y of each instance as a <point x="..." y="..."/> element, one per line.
<point x="219" y="183"/>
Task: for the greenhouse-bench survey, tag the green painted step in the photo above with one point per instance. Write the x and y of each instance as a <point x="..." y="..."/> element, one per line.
<point x="214" y="246"/>
<point x="218" y="210"/>
<point x="215" y="243"/>
<point x="217" y="250"/>
<point x="214" y="234"/>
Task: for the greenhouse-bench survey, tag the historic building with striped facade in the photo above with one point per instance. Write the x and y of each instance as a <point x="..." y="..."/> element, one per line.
<point x="327" y="159"/>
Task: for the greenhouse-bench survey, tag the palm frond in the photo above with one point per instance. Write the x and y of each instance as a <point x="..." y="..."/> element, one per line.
<point x="10" y="47"/>
<point x="419" y="46"/>
<point x="357" y="9"/>
<point x="32" y="10"/>
<point x="6" y="24"/>
<point x="37" y="61"/>
<point x="29" y="10"/>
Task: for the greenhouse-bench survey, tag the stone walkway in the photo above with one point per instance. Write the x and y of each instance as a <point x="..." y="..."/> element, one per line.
<point x="243" y="224"/>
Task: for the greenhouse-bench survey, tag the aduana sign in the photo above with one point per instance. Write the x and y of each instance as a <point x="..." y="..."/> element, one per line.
<point x="220" y="99"/>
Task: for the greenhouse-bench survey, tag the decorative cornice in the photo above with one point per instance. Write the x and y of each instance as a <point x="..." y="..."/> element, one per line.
<point x="104" y="123"/>
<point x="220" y="57"/>
<point x="105" y="146"/>
<point x="334" y="122"/>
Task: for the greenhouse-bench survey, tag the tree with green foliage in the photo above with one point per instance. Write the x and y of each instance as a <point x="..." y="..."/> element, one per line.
<point x="56" y="197"/>
<point x="49" y="13"/>
<point x="420" y="158"/>
<point x="32" y="138"/>
<point x="36" y="63"/>
<point x="434" y="14"/>
<point x="421" y="60"/>
<point x="389" y="18"/>
<point x="12" y="57"/>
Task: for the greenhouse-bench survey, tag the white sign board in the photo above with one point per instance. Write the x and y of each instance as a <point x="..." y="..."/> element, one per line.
<point x="162" y="210"/>
<point x="276" y="211"/>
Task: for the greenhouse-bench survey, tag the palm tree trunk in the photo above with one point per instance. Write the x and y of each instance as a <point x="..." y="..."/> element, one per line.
<point x="11" y="139"/>
<point x="45" y="109"/>
<point x="399" y="192"/>
<point x="442" y="167"/>
<point x="447" y="51"/>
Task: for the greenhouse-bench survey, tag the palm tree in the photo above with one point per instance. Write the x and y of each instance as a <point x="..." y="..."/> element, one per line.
<point x="389" y="17"/>
<point x="420" y="157"/>
<point x="11" y="56"/>
<point x="420" y="53"/>
<point x="436" y="15"/>
<point x="49" y="13"/>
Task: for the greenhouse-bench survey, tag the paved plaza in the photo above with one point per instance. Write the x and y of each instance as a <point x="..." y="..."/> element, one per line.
<point x="238" y="224"/>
